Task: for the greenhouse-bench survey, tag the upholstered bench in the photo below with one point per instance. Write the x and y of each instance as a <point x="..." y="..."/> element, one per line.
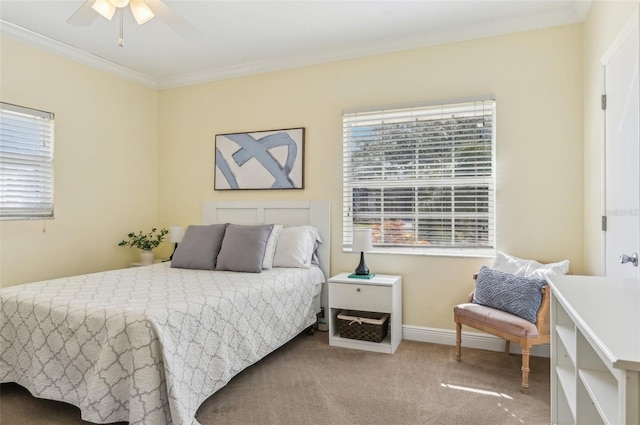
<point x="506" y="325"/>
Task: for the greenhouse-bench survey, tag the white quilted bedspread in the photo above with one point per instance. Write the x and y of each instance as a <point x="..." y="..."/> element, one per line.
<point x="148" y="345"/>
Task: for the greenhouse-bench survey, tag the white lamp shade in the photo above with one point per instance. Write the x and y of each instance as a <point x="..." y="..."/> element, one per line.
<point x="176" y="233"/>
<point x="104" y="8"/>
<point x="140" y="11"/>
<point x="362" y="240"/>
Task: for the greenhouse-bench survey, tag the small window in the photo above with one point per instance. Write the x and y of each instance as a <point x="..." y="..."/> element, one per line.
<point x="422" y="178"/>
<point x="26" y="163"/>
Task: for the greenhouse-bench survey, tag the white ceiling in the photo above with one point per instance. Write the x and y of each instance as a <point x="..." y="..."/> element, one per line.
<point x="240" y="37"/>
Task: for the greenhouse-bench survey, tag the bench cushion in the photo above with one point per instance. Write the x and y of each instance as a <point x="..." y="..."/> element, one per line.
<point x="496" y="319"/>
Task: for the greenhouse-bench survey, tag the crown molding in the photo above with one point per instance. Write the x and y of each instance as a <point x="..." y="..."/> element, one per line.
<point x="32" y="38"/>
<point x="358" y="50"/>
<point x="447" y="35"/>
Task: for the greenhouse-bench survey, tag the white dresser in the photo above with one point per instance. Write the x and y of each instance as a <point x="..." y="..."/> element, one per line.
<point x="595" y="350"/>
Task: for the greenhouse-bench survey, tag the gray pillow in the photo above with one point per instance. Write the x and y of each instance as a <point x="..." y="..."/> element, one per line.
<point x="243" y="248"/>
<point x="517" y="295"/>
<point x="199" y="247"/>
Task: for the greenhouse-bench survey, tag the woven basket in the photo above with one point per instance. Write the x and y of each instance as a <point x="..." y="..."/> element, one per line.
<point x="363" y="325"/>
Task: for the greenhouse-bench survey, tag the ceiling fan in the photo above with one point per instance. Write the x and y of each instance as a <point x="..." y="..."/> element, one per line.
<point x="142" y="10"/>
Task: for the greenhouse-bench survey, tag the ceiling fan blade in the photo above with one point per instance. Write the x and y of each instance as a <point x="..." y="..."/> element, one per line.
<point x="173" y="20"/>
<point x="84" y="16"/>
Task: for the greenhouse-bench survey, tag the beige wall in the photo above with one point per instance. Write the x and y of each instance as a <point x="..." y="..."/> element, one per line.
<point x="537" y="79"/>
<point x="128" y="157"/>
<point x="601" y="28"/>
<point x="105" y="166"/>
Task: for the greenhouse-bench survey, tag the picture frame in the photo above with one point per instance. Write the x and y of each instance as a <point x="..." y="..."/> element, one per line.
<point x="260" y="160"/>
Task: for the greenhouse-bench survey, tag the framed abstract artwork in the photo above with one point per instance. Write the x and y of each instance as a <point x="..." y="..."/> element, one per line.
<point x="272" y="159"/>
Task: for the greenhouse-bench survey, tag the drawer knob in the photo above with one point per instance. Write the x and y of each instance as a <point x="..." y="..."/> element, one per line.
<point x="358" y="289"/>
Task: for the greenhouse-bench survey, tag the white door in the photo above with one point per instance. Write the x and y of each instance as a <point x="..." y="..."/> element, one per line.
<point x="622" y="155"/>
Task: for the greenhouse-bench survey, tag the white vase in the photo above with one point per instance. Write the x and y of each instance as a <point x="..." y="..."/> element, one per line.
<point x="146" y="258"/>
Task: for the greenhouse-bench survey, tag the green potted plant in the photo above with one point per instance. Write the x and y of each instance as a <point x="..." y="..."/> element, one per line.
<point x="146" y="242"/>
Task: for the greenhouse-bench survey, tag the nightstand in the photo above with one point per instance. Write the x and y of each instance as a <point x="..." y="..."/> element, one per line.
<point x="380" y="294"/>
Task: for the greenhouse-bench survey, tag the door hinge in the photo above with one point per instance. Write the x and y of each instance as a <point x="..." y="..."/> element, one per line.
<point x="604" y="223"/>
<point x="603" y="102"/>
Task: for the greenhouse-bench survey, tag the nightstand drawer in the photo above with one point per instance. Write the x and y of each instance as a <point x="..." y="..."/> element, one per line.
<point x="360" y="297"/>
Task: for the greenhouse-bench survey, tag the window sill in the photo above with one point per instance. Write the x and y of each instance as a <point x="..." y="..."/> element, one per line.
<point x="461" y="253"/>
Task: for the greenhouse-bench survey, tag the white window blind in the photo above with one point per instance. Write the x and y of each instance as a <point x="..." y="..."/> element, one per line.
<point x="422" y="178"/>
<point x="26" y="163"/>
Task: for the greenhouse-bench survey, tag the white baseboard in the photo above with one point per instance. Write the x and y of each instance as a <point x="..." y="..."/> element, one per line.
<point x="482" y="341"/>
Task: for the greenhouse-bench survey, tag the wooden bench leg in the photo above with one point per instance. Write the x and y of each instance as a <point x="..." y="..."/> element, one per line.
<point x="524" y="388"/>
<point x="458" y="341"/>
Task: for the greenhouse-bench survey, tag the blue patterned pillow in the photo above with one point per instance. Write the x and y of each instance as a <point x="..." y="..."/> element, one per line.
<point x="517" y="295"/>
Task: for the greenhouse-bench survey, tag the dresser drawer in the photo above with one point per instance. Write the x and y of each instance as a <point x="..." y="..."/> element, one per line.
<point x="360" y="297"/>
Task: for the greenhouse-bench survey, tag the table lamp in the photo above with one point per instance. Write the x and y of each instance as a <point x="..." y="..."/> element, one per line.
<point x="362" y="243"/>
<point x="175" y="235"/>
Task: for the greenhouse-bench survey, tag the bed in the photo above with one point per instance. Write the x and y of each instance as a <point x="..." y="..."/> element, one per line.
<point x="149" y="345"/>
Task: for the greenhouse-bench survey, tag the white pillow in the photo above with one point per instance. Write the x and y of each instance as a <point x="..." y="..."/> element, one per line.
<point x="270" y="250"/>
<point x="528" y="268"/>
<point x="295" y="246"/>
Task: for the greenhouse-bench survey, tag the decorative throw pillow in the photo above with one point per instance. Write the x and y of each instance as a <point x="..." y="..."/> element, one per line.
<point x="243" y="248"/>
<point x="529" y="268"/>
<point x="517" y="295"/>
<point x="270" y="250"/>
<point x="199" y="247"/>
<point x="295" y="246"/>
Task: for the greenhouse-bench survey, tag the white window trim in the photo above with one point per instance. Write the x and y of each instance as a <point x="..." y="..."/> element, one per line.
<point x="26" y="163"/>
<point x="457" y="251"/>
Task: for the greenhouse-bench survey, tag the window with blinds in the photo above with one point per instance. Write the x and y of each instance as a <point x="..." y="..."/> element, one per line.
<point x="422" y="178"/>
<point x="26" y="163"/>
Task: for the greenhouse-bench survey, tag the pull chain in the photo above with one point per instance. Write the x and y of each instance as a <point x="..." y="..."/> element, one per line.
<point x="121" y="39"/>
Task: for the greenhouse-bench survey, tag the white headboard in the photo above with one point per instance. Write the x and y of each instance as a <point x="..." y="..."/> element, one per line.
<point x="314" y="213"/>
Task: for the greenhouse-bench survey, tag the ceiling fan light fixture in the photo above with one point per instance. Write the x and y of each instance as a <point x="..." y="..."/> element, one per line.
<point x="104" y="8"/>
<point x="141" y="12"/>
<point x="119" y="3"/>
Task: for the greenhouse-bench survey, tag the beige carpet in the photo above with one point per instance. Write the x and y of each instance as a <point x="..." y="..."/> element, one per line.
<point x="309" y="382"/>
